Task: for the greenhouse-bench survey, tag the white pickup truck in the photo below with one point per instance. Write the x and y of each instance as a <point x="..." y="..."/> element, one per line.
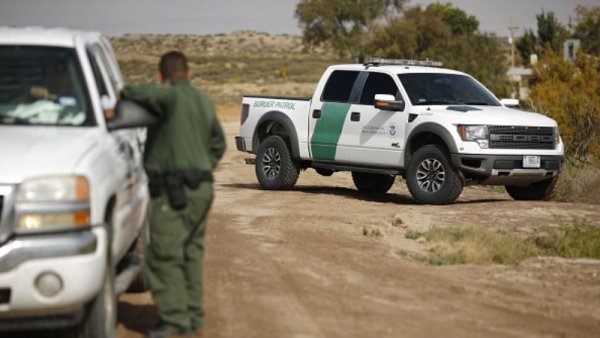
<point x="73" y="192"/>
<point x="438" y="128"/>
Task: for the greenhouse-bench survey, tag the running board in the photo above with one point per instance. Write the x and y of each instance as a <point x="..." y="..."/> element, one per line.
<point x="129" y="273"/>
<point x="344" y="167"/>
<point x="250" y="161"/>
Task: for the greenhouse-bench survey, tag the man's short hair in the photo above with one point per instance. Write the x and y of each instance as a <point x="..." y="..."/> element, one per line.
<point x="173" y="65"/>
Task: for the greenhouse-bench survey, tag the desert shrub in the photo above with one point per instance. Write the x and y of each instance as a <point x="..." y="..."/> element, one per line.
<point x="569" y="92"/>
<point x="579" y="183"/>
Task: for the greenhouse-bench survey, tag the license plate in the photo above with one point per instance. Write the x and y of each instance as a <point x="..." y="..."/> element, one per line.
<point x="531" y="161"/>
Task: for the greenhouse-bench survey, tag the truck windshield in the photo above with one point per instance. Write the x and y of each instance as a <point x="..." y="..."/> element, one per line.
<point x="42" y="86"/>
<point x="445" y="89"/>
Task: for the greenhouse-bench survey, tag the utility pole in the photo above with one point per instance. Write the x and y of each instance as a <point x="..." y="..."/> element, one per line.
<point x="512" y="28"/>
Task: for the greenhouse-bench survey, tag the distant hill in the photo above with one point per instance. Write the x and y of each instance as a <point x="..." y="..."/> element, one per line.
<point x="228" y="66"/>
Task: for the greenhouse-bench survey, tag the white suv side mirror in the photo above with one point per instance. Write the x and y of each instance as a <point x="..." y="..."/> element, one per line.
<point x="388" y="102"/>
<point x="510" y="102"/>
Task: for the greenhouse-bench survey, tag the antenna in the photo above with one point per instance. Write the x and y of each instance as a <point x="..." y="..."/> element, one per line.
<point x="512" y="28"/>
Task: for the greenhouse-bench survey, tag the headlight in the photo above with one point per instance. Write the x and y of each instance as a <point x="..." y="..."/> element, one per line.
<point x="54" y="189"/>
<point x="473" y="133"/>
<point x="477" y="134"/>
<point x="53" y="203"/>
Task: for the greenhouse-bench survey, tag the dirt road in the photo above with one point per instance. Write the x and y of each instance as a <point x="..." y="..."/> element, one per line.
<point x="296" y="264"/>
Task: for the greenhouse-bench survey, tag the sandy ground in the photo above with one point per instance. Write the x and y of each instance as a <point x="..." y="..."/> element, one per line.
<point x="296" y="264"/>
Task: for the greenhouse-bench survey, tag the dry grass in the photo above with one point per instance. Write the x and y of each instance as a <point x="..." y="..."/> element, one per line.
<point x="579" y="184"/>
<point x="474" y="245"/>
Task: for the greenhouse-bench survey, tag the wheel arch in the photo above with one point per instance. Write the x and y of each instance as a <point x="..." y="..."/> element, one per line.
<point x="108" y="223"/>
<point x="276" y="123"/>
<point x="428" y="133"/>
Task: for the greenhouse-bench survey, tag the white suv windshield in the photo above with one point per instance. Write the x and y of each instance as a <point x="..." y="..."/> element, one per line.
<point x="42" y="86"/>
<point x="445" y="89"/>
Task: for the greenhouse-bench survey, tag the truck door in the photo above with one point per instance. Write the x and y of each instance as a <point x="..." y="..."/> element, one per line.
<point x="375" y="137"/>
<point x="329" y="116"/>
<point x="127" y="216"/>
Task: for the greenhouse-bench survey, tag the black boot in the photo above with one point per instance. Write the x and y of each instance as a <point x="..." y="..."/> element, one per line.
<point x="164" y="330"/>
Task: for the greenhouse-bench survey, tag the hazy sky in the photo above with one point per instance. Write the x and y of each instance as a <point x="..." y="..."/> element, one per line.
<point x="117" y="17"/>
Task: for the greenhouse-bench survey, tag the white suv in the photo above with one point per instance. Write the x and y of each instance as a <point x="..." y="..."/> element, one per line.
<point x="73" y="192"/>
<point x="438" y="128"/>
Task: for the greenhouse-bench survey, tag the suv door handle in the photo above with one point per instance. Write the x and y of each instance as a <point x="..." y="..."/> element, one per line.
<point x="355" y="117"/>
<point x="316" y="114"/>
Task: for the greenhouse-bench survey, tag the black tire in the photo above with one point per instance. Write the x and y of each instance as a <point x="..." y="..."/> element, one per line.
<point x="431" y="177"/>
<point x="372" y="183"/>
<point x="275" y="167"/>
<point x="539" y="191"/>
<point x="100" y="318"/>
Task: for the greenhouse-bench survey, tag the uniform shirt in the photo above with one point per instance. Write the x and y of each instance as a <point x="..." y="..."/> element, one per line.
<point x="188" y="136"/>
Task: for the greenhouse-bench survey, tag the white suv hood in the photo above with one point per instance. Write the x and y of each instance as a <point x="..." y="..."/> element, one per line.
<point x="27" y="151"/>
<point x="500" y="116"/>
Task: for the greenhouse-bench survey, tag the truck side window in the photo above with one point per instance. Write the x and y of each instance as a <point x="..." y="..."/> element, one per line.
<point x="339" y="86"/>
<point x="378" y="83"/>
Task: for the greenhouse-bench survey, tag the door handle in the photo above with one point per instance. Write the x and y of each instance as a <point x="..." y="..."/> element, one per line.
<point x="355" y="117"/>
<point x="316" y="114"/>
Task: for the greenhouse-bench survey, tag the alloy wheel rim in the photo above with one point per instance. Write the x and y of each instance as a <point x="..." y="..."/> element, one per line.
<point x="271" y="163"/>
<point x="431" y="175"/>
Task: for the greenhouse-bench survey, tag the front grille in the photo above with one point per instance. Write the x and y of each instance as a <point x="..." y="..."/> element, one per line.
<point x="517" y="137"/>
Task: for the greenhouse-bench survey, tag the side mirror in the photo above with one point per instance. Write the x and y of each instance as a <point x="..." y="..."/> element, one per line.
<point x="388" y="102"/>
<point x="510" y="102"/>
<point x="129" y="114"/>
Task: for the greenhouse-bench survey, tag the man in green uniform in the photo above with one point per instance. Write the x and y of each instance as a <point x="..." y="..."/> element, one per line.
<point x="181" y="152"/>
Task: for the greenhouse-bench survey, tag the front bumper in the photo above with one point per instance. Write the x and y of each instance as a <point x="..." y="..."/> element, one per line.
<point x="78" y="258"/>
<point x="506" y="169"/>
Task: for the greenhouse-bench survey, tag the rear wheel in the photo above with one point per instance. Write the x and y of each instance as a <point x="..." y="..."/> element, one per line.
<point x="431" y="177"/>
<point x="372" y="183"/>
<point x="539" y="191"/>
<point x="275" y="167"/>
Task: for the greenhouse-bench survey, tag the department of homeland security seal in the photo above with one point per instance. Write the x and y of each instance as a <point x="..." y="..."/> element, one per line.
<point x="392" y="130"/>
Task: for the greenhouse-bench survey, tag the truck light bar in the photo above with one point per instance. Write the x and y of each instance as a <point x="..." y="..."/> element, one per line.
<point x="375" y="61"/>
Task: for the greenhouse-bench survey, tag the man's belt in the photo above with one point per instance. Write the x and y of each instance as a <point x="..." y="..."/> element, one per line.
<point x="173" y="183"/>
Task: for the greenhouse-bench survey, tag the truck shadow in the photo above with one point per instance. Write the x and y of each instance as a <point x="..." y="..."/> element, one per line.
<point x="357" y="195"/>
<point x="136" y="317"/>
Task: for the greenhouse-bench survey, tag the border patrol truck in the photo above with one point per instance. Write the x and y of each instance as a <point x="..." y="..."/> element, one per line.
<point x="73" y="192"/>
<point x="438" y="128"/>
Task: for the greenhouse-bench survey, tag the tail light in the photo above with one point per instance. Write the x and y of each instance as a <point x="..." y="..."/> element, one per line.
<point x="244" y="114"/>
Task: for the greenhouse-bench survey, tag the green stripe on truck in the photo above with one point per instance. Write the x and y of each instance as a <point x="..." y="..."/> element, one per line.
<point x="328" y="129"/>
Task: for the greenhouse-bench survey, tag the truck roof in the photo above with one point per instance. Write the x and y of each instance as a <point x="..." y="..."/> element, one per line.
<point x="396" y="69"/>
<point x="59" y="37"/>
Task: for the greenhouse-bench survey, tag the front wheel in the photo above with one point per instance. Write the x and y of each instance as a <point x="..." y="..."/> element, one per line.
<point x="275" y="167"/>
<point x="372" y="183"/>
<point x="100" y="318"/>
<point x="539" y="191"/>
<point x="432" y="178"/>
